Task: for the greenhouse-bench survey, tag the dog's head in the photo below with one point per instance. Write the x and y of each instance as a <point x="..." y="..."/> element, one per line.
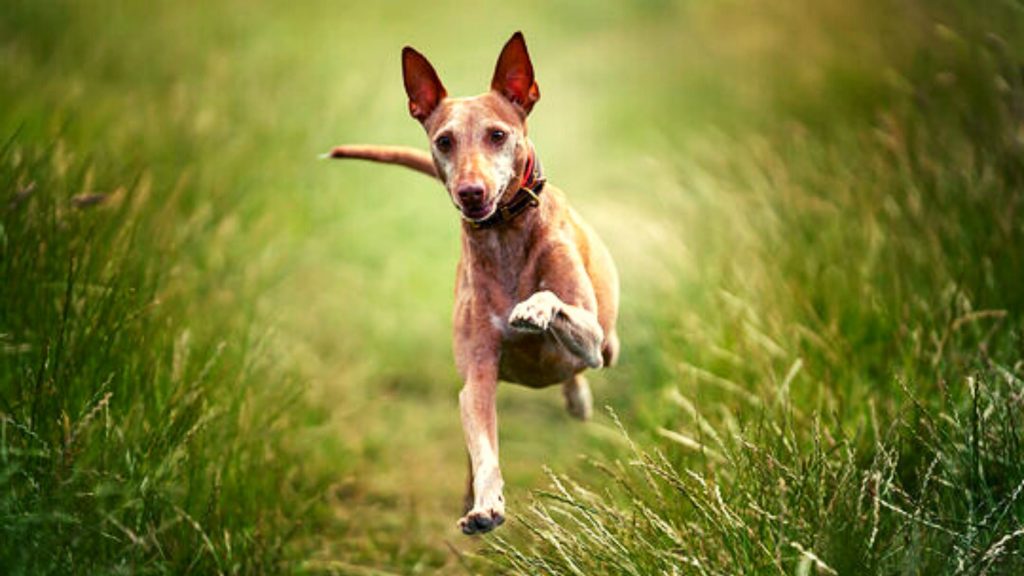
<point x="479" y="144"/>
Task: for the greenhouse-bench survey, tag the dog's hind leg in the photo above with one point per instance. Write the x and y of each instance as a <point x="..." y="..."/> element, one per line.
<point x="610" y="349"/>
<point x="578" y="401"/>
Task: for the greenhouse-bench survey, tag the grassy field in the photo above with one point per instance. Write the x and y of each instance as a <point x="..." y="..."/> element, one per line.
<point x="219" y="354"/>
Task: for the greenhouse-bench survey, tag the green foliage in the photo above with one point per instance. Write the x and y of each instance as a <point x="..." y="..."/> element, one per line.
<point x="134" y="437"/>
<point x="779" y="495"/>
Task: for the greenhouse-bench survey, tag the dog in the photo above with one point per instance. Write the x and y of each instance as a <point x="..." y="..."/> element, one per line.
<point x="536" y="291"/>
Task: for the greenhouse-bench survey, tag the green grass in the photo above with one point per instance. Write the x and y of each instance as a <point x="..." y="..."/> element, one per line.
<point x="239" y="362"/>
<point x="130" y="434"/>
<point x="843" y="387"/>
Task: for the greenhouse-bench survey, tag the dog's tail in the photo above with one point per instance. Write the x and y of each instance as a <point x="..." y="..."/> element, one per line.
<point x="413" y="158"/>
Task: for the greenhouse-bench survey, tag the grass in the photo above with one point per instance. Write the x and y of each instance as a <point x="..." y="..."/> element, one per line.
<point x="220" y="355"/>
<point x="844" y="388"/>
<point x="129" y="435"/>
<point x="779" y="495"/>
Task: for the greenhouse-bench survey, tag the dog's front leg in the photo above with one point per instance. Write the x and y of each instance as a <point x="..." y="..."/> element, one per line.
<point x="477" y="404"/>
<point x="574" y="327"/>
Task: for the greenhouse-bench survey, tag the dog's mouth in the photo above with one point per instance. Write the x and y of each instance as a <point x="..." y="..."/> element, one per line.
<point x="478" y="212"/>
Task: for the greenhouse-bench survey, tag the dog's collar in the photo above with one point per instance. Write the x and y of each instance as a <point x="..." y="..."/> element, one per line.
<point x="528" y="196"/>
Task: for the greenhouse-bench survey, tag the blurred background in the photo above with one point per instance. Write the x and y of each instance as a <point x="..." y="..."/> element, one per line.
<point x="220" y="354"/>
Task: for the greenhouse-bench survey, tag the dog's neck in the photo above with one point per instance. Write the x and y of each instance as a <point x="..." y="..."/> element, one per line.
<point x="500" y="251"/>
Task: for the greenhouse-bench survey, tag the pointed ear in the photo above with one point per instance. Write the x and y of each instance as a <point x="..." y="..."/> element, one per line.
<point x="421" y="84"/>
<point x="513" y="76"/>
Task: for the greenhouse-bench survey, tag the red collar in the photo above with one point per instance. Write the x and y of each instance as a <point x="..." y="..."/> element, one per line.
<point x="531" y="173"/>
<point x="528" y="195"/>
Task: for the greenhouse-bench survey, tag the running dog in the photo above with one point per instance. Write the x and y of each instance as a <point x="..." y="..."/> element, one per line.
<point x="536" y="292"/>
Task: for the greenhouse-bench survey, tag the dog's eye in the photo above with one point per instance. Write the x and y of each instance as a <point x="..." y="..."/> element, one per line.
<point x="443" y="143"/>
<point x="498" y="136"/>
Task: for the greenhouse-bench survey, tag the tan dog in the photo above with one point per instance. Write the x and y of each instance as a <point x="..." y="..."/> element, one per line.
<point x="536" y="292"/>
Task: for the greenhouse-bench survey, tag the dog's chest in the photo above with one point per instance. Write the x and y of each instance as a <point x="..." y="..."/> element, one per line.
<point x="501" y="270"/>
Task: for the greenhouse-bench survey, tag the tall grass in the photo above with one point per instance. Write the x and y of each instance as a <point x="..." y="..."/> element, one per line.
<point x="845" y="389"/>
<point x="939" y="493"/>
<point x="151" y="422"/>
<point x="135" y="437"/>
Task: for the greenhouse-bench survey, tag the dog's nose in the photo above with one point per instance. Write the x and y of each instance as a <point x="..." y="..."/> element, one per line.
<point x="470" y="193"/>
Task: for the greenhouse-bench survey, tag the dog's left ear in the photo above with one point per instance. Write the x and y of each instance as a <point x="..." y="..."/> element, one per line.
<point x="513" y="76"/>
<point x="422" y="85"/>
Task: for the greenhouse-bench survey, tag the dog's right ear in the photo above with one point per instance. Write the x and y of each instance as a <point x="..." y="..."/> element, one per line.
<point x="421" y="84"/>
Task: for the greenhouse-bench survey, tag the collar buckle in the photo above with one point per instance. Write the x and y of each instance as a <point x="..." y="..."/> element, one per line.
<point x="534" y="198"/>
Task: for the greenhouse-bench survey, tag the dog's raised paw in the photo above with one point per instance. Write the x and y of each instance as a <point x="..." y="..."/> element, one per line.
<point x="534" y="314"/>
<point x="481" y="521"/>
